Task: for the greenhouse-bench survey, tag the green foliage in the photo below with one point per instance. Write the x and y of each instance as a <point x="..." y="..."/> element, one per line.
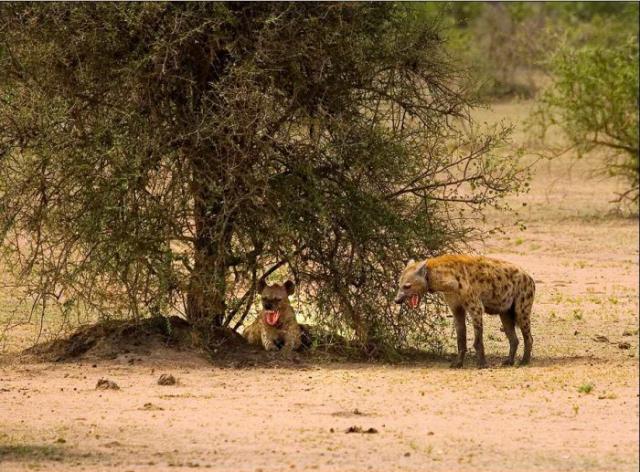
<point x="161" y="157"/>
<point x="589" y="11"/>
<point x="507" y="44"/>
<point x="593" y="98"/>
<point x="586" y="388"/>
<point x="493" y="40"/>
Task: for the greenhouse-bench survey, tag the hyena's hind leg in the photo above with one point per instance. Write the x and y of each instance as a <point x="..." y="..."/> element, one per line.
<point x="508" y="319"/>
<point x="523" y="306"/>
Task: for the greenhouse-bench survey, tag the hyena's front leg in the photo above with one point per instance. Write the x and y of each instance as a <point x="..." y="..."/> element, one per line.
<point x="475" y="310"/>
<point x="291" y="343"/>
<point x="267" y="341"/>
<point x="461" y="333"/>
<point x="293" y="338"/>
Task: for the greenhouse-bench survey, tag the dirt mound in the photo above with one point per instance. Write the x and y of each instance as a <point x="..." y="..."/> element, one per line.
<point x="164" y="337"/>
<point x="109" y="339"/>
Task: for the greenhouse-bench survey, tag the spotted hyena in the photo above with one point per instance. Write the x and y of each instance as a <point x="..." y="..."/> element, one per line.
<point x="473" y="285"/>
<point x="276" y="326"/>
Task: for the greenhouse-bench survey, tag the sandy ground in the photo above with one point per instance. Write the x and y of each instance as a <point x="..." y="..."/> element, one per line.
<point x="574" y="408"/>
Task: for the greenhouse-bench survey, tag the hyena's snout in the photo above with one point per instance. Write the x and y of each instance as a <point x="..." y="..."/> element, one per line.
<point x="400" y="297"/>
<point x="269" y="305"/>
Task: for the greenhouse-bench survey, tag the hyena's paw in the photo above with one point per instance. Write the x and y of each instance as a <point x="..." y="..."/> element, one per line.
<point x="289" y="355"/>
<point x="270" y="347"/>
<point x="524" y="362"/>
<point x="508" y="362"/>
<point x="456" y="364"/>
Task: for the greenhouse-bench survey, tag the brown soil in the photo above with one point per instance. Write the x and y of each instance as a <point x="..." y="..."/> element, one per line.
<point x="574" y="408"/>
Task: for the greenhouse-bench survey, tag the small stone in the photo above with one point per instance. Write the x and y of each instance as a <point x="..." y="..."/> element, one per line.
<point x="358" y="429"/>
<point x="111" y="443"/>
<point x="106" y="384"/>
<point x="151" y="407"/>
<point x="167" y="379"/>
<point x="624" y="345"/>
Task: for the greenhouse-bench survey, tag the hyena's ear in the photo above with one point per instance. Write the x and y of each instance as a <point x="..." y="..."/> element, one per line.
<point x="261" y="284"/>
<point x="409" y="262"/>
<point x="290" y="287"/>
<point x="422" y="270"/>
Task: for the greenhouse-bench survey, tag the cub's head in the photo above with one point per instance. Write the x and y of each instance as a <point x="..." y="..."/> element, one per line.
<point x="413" y="283"/>
<point x="274" y="298"/>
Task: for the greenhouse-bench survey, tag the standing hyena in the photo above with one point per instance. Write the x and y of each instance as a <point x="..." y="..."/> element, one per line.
<point x="473" y="285"/>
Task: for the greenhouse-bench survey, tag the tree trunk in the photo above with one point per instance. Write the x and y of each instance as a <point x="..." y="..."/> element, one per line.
<point x="206" y="296"/>
<point x="206" y="305"/>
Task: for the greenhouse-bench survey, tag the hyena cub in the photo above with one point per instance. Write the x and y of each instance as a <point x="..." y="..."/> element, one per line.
<point x="276" y="326"/>
<point x="473" y="285"/>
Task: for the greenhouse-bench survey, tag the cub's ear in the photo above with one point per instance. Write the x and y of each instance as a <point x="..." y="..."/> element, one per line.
<point x="261" y="284"/>
<point x="422" y="270"/>
<point x="290" y="287"/>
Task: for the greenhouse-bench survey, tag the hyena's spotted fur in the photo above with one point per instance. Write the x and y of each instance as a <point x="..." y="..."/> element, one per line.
<point x="286" y="334"/>
<point x="472" y="285"/>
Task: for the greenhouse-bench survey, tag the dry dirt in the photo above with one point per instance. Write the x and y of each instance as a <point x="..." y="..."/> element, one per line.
<point x="574" y="408"/>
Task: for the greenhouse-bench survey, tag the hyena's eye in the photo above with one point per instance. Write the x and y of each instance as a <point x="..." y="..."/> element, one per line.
<point x="406" y="286"/>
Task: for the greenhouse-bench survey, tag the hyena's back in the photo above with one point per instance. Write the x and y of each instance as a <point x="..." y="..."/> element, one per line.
<point x="500" y="286"/>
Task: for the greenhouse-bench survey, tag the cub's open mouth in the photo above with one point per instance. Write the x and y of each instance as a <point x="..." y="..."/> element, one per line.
<point x="271" y="317"/>
<point x="414" y="300"/>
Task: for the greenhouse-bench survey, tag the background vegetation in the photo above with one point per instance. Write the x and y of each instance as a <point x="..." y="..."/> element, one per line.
<point x="578" y="59"/>
<point x="593" y="99"/>
<point x="510" y="44"/>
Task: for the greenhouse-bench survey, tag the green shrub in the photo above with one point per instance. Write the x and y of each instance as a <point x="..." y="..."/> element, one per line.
<point x="593" y="99"/>
<point x="586" y="388"/>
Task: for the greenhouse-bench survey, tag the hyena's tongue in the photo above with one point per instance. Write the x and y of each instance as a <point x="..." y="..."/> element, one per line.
<point x="414" y="300"/>
<point x="271" y="317"/>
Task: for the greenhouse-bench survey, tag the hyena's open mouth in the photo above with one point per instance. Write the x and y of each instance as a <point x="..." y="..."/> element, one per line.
<point x="414" y="300"/>
<point x="271" y="317"/>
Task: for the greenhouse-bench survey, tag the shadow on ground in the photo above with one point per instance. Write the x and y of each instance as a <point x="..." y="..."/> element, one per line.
<point x="160" y="337"/>
<point x="30" y="452"/>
